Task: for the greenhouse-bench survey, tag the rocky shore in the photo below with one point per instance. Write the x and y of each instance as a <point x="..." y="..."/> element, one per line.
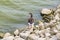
<point x="47" y="29"/>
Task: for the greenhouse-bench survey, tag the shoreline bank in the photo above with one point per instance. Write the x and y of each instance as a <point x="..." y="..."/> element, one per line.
<point x="48" y="29"/>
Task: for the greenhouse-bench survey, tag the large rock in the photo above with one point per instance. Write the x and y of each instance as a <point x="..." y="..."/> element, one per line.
<point x="58" y="35"/>
<point x="6" y="35"/>
<point x="25" y="34"/>
<point x="8" y="38"/>
<point x="47" y="32"/>
<point x="58" y="6"/>
<point x="41" y="38"/>
<point x="57" y="12"/>
<point x="41" y="25"/>
<point x="18" y="38"/>
<point x="33" y="37"/>
<point x="58" y="27"/>
<point x="16" y="32"/>
<point x="1" y="35"/>
<point x="53" y="38"/>
<point x="47" y="14"/>
<point x="57" y="17"/>
<point x="55" y="30"/>
<point x="40" y="33"/>
<point x="46" y="11"/>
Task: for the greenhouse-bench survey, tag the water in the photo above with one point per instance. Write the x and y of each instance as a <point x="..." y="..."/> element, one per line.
<point x="14" y="13"/>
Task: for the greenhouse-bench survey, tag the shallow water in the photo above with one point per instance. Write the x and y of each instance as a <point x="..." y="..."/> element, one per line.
<point x="14" y="13"/>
